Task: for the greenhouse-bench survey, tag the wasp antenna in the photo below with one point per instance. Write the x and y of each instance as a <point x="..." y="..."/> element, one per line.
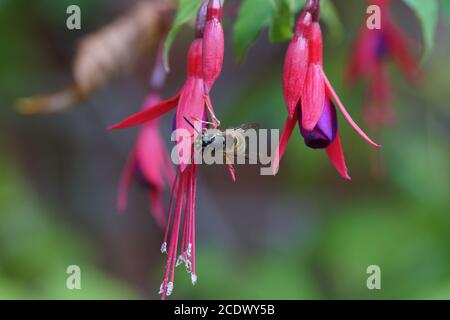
<point x="190" y="123"/>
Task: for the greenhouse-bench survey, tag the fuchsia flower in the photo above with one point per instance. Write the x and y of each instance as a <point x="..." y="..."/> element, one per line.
<point x="378" y="110"/>
<point x="149" y="163"/>
<point x="309" y="95"/>
<point x="190" y="101"/>
<point x="369" y="59"/>
<point x="205" y="59"/>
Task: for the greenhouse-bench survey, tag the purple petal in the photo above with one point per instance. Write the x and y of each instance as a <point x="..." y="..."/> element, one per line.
<point x="325" y="131"/>
<point x="381" y="47"/>
<point x="140" y="176"/>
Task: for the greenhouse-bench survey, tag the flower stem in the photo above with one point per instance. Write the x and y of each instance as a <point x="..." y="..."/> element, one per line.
<point x="313" y="6"/>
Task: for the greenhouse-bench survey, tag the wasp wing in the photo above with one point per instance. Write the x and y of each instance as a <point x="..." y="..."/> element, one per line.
<point x="247" y="126"/>
<point x="241" y="148"/>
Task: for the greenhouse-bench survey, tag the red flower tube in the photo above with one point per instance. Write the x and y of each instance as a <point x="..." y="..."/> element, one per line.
<point x="213" y="44"/>
<point x="296" y="64"/>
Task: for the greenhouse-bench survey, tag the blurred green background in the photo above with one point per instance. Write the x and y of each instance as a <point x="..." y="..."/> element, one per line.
<point x="304" y="234"/>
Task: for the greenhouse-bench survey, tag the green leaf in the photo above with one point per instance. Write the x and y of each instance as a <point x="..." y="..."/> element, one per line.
<point x="282" y="24"/>
<point x="446" y="8"/>
<point x="330" y="16"/>
<point x="298" y="4"/>
<point x="253" y="16"/>
<point x="187" y="10"/>
<point x="427" y="12"/>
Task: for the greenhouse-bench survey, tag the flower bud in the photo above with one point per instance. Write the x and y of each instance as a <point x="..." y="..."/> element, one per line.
<point x="213" y="44"/>
<point x="201" y="20"/>
<point x="296" y="64"/>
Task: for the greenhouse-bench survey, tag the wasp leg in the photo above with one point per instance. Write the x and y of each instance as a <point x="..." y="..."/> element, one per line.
<point x="211" y="111"/>
<point x="230" y="168"/>
<point x="203" y="121"/>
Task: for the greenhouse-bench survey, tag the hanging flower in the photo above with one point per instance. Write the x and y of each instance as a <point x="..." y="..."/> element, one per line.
<point x="378" y="110"/>
<point x="192" y="102"/>
<point x="149" y="163"/>
<point x="314" y="109"/>
<point x="371" y="53"/>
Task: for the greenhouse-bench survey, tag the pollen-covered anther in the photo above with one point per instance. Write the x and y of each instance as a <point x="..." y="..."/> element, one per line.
<point x="184" y="258"/>
<point x="181" y="259"/>
<point x="188" y="264"/>
<point x="164" y="247"/>
<point x="194" y="279"/>
<point x="189" y="250"/>
<point x="169" y="288"/>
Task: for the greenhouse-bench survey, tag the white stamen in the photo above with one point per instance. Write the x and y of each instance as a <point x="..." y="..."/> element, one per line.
<point x="189" y="250"/>
<point x="161" y="290"/>
<point x="164" y="247"/>
<point x="169" y="289"/>
<point x="181" y="259"/>
<point x="194" y="279"/>
<point x="188" y="266"/>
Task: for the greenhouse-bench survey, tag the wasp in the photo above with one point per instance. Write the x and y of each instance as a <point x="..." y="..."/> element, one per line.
<point x="231" y="142"/>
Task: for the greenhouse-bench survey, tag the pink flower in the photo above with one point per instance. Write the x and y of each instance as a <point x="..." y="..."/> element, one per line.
<point x="370" y="56"/>
<point x="309" y="94"/>
<point x="149" y="162"/>
<point x="192" y="102"/>
<point x="378" y="110"/>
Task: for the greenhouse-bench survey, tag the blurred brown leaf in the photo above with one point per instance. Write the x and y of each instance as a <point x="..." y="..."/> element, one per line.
<point x="104" y="55"/>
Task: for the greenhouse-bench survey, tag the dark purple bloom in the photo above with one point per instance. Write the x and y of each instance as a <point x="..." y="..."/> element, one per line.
<point x="325" y="130"/>
<point x="382" y="49"/>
